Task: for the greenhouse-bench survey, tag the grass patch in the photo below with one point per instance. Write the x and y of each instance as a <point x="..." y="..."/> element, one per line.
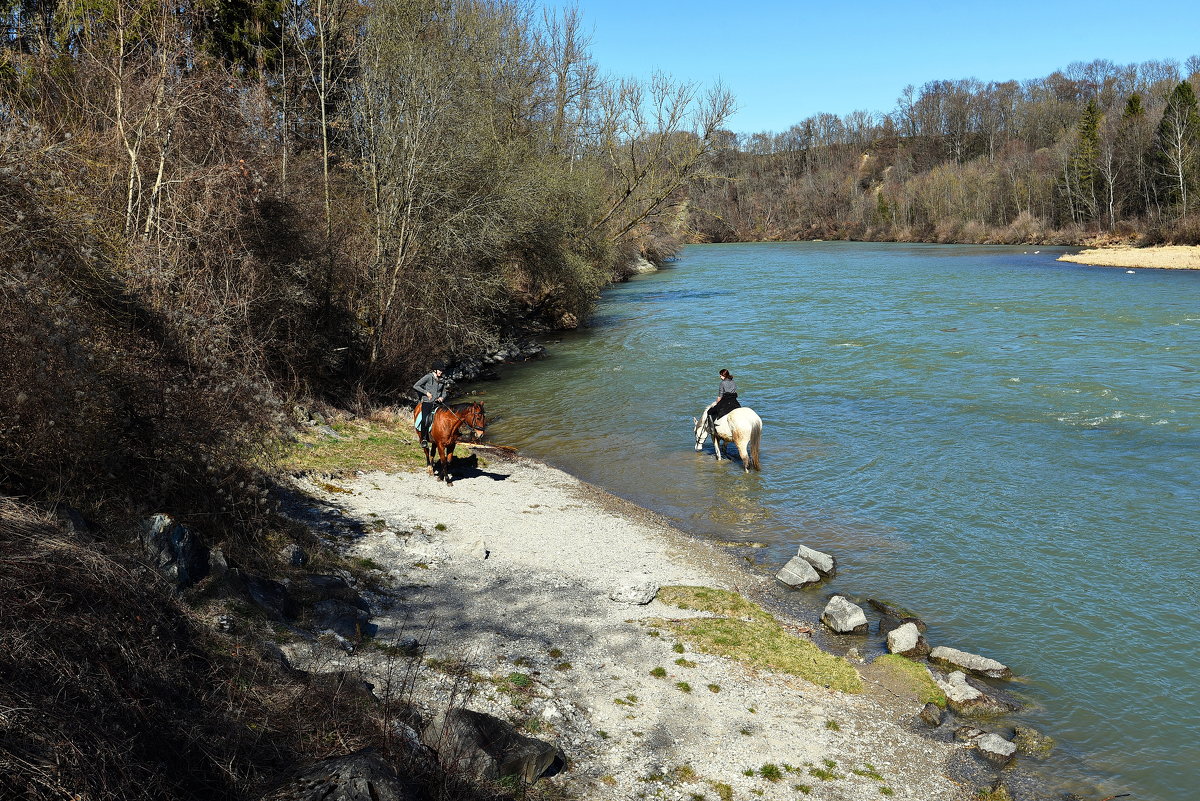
<point x="683" y="686"/>
<point x="826" y="773"/>
<point x="915" y="675"/>
<point x="563" y="666"/>
<point x="716" y="688"/>
<point x="869" y="771"/>
<point x="802" y="788"/>
<point x="724" y="791"/>
<point x="886" y="791"/>
<point x="440" y="527"/>
<point x="628" y="700"/>
<point x="687" y="663"/>
<point x="832" y="725"/>
<point x="710" y="599"/>
<point x="749" y="634"/>
<point x="770" y="772"/>
<point x="365" y="446"/>
<point x="659" y="672"/>
<point x="555" y="653"/>
<point x="678" y="648"/>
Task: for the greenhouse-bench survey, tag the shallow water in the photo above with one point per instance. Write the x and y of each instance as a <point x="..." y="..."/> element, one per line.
<point x="1006" y="444"/>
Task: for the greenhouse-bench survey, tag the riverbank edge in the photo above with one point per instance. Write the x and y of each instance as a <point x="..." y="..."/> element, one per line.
<point x="1157" y="257"/>
<point x="882" y="700"/>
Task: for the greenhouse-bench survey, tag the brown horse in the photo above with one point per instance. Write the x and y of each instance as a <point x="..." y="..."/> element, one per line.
<point x="443" y="433"/>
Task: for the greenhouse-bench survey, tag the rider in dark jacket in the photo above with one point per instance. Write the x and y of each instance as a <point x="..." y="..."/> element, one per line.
<point x="726" y="398"/>
<point x="432" y="386"/>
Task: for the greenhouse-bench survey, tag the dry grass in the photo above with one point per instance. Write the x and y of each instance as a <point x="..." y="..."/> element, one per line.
<point x="747" y="633"/>
<point x="383" y="442"/>
<point x="1162" y="257"/>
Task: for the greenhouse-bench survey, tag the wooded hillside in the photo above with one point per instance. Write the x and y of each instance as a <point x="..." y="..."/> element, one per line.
<point x="1096" y="150"/>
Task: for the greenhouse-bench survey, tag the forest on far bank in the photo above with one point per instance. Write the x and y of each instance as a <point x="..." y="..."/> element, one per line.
<point x="1096" y="152"/>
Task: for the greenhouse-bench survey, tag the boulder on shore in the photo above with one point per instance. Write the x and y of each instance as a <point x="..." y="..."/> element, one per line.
<point x="907" y="640"/>
<point x="967" y="700"/>
<point x="177" y="553"/>
<point x="995" y="749"/>
<point x="974" y="664"/>
<point x="798" y="573"/>
<point x="1032" y="742"/>
<point x="843" y="617"/>
<point x="823" y="563"/>
<point x="486" y="748"/>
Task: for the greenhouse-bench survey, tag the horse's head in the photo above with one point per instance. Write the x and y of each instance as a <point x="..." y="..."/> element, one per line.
<point x="475" y="417"/>
<point x="701" y="432"/>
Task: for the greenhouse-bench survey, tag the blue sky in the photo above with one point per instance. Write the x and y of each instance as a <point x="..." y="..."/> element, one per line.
<point x="785" y="61"/>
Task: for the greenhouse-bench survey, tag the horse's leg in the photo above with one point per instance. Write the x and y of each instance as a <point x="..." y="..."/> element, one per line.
<point x="740" y="438"/>
<point x="449" y="462"/>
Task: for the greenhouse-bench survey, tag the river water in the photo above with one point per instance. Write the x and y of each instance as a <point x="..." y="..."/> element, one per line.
<point x="1006" y="444"/>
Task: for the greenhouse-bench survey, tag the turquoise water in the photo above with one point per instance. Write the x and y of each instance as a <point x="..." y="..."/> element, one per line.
<point x="1006" y="444"/>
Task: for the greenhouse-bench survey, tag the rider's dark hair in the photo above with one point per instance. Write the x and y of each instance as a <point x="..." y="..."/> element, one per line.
<point x="726" y="374"/>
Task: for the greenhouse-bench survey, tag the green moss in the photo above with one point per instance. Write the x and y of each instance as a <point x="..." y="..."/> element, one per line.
<point x="440" y="527"/>
<point x="554" y="653"/>
<point x="749" y="634"/>
<point x="915" y="675"/>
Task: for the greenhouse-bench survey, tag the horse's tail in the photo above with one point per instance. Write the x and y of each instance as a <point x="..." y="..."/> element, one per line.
<point x="755" y="438"/>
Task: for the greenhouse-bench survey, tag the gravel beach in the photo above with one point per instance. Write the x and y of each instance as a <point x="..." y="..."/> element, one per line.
<point x="521" y="570"/>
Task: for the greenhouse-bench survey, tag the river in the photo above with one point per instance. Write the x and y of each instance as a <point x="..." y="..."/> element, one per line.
<point x="1006" y="444"/>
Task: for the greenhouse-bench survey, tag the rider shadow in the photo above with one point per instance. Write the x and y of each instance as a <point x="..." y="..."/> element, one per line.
<point x="468" y="467"/>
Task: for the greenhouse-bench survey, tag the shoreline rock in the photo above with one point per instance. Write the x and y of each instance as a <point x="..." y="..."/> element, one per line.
<point x="982" y="666"/>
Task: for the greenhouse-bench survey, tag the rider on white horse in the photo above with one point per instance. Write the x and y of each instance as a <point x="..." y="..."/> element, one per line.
<point x="726" y="420"/>
<point x="727" y="399"/>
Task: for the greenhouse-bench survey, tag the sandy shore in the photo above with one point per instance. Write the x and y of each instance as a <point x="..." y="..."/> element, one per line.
<point x="1165" y="257"/>
<point x="512" y="569"/>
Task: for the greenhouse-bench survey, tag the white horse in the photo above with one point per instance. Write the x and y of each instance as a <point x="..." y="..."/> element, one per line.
<point x="741" y="426"/>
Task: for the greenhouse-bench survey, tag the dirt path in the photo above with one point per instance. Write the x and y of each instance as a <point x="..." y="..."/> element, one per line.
<point x="510" y="571"/>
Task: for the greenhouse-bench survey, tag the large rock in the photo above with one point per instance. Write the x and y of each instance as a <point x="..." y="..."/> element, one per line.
<point x="823" y="563"/>
<point x="341" y="618"/>
<point x="967" y="700"/>
<point x="177" y="553"/>
<point x="361" y="776"/>
<point x="995" y="749"/>
<point x="974" y="664"/>
<point x="931" y="715"/>
<point x="798" y="573"/>
<point x="843" y="617"/>
<point x="486" y="748"/>
<point x="907" y="640"/>
<point x="270" y="596"/>
<point x="638" y="594"/>
<point x="1032" y="742"/>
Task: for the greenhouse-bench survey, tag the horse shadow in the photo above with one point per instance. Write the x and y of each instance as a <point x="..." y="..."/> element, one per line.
<point x="468" y="467"/>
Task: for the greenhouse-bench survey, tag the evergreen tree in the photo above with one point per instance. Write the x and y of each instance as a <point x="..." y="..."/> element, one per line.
<point x="1083" y="168"/>
<point x="1177" y="147"/>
